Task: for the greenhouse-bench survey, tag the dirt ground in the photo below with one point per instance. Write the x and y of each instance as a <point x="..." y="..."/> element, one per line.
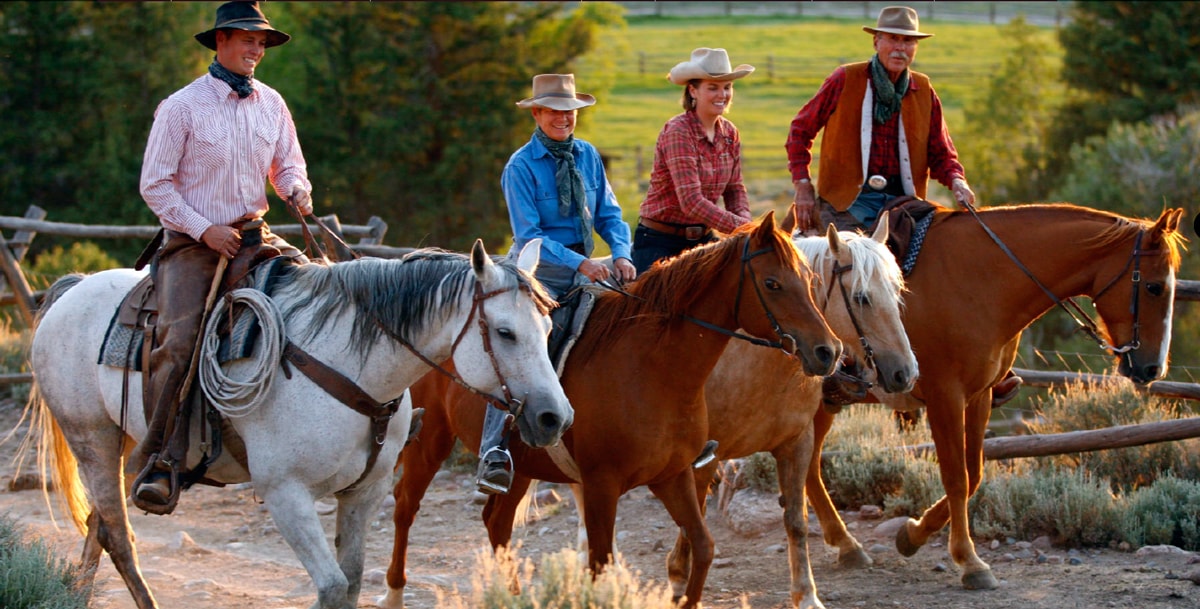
<point x="220" y="550"/>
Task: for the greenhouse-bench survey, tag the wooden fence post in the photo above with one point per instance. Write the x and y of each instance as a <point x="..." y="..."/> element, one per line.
<point x="16" y="280"/>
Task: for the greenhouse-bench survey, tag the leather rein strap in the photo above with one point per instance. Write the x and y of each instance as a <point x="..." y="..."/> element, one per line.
<point x="1086" y="324"/>
<point x="348" y="393"/>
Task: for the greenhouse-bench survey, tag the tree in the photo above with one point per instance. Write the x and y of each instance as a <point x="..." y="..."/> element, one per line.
<point x="1126" y="62"/>
<point x="408" y="109"/>
<point x="1006" y="129"/>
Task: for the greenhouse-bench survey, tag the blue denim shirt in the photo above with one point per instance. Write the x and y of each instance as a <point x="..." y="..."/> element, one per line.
<point x="532" y="198"/>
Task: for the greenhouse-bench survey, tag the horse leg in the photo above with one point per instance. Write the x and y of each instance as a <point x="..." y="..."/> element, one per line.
<point x="420" y="462"/>
<point x="791" y="465"/>
<point x="99" y="457"/>
<point x="355" y="510"/>
<point x="850" y="551"/>
<point x="678" y="495"/>
<point x="291" y="507"/>
<point x="499" y="514"/>
<point x="949" y="432"/>
<point x="679" y="560"/>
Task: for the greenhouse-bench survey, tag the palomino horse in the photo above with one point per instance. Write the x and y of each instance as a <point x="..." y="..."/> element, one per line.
<point x="636" y="380"/>
<point x="371" y="321"/>
<point x="969" y="300"/>
<point x="861" y="298"/>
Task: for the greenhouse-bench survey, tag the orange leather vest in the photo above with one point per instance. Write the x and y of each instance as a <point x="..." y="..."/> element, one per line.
<point x="840" y="166"/>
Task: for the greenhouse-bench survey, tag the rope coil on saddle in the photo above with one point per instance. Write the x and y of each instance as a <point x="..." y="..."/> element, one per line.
<point x="237" y="398"/>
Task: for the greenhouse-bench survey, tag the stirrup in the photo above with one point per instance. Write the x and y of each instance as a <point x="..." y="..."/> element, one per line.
<point x="159" y="506"/>
<point x="708" y="454"/>
<point x="494" y="475"/>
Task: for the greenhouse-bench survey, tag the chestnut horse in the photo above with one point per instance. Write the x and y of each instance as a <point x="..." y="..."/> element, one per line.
<point x="979" y="282"/>
<point x="636" y="381"/>
<point x="861" y="297"/>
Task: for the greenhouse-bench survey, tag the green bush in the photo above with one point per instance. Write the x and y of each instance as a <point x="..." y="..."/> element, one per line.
<point x="82" y="257"/>
<point x="32" y="577"/>
<point x="1071" y="508"/>
<point x="1078" y="408"/>
<point x="1166" y="513"/>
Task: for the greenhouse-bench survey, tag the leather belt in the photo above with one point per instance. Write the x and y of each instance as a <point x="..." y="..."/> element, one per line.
<point x="691" y="232"/>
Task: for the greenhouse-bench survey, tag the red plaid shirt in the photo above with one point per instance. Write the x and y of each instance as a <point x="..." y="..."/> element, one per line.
<point x="885" y="138"/>
<point x="691" y="174"/>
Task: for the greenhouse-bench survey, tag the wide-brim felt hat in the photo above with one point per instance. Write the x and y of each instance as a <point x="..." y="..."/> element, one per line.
<point x="900" y="20"/>
<point x="707" y="64"/>
<point x="241" y="16"/>
<point x="557" y="92"/>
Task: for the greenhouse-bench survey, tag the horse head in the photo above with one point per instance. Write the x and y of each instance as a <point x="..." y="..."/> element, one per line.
<point x="510" y="356"/>
<point x="780" y="280"/>
<point x="1135" y="294"/>
<point x="862" y="298"/>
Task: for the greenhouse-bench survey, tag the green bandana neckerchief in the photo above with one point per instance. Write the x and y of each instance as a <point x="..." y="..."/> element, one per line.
<point x="887" y="94"/>
<point x="571" y="196"/>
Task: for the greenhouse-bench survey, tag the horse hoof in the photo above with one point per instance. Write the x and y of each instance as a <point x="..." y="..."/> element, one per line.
<point x="980" y="580"/>
<point x="854" y="559"/>
<point x="904" y="544"/>
<point x="394" y="599"/>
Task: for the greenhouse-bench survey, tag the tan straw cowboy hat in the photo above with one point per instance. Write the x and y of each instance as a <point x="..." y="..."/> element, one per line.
<point x="897" y="20"/>
<point x="557" y="92"/>
<point x="242" y="16"/>
<point x="707" y="64"/>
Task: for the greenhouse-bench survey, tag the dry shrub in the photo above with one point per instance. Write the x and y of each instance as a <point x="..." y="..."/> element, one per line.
<point x="562" y="580"/>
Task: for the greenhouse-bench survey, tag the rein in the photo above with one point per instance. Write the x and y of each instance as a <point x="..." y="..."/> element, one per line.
<point x="1086" y="324"/>
<point x="508" y="402"/>
<point x="747" y="255"/>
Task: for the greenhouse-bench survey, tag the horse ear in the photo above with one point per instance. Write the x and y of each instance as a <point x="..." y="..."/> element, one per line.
<point x="1168" y="221"/>
<point x="881" y="229"/>
<point x="528" y="259"/>
<point x="479" y="258"/>
<point x="835" y="238"/>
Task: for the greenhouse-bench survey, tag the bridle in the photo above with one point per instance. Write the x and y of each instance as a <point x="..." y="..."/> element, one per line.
<point x="513" y="405"/>
<point x="839" y="273"/>
<point x="1086" y="324"/>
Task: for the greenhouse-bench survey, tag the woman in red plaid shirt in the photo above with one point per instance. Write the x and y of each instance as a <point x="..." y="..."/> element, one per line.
<point x="696" y="186"/>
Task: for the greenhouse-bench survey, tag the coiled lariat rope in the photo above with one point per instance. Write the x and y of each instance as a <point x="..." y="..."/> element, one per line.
<point x="232" y="397"/>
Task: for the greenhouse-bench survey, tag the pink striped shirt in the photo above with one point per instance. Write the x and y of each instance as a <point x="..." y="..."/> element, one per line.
<point x="209" y="155"/>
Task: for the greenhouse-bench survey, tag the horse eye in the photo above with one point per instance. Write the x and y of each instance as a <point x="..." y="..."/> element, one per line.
<point x="1155" y="288"/>
<point x="862" y="299"/>
<point x="773" y="284"/>
<point x="506" y="334"/>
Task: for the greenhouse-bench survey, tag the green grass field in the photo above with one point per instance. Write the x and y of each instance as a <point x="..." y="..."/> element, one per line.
<point x="792" y="56"/>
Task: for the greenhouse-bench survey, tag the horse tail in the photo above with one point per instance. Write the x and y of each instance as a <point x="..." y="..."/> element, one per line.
<point x="46" y="437"/>
<point x="53" y="452"/>
<point x="527" y="507"/>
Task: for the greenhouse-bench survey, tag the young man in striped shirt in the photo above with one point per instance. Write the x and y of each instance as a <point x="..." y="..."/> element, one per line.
<point x="213" y="145"/>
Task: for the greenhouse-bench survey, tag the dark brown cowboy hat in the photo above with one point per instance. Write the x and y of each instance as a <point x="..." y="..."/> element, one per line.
<point x="242" y="16"/>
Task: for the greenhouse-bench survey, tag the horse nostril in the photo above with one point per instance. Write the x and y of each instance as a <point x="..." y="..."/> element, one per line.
<point x="548" y="420"/>
<point x="826" y="355"/>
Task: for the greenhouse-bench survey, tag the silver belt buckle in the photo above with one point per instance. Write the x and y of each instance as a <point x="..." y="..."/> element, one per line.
<point x="877" y="182"/>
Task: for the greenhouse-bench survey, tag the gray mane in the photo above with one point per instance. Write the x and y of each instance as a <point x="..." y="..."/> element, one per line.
<point x="403" y="297"/>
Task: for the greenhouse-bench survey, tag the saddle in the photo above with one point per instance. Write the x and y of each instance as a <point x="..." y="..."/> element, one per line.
<point x="567" y="321"/>
<point x="908" y="221"/>
<point x="130" y="337"/>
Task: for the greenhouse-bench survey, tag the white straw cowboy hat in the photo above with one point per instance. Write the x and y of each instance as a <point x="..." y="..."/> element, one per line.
<point x="242" y="16"/>
<point x="557" y="92"/>
<point x="897" y="20"/>
<point x="707" y="64"/>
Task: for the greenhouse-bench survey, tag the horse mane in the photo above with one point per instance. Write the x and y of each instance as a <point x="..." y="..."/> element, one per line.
<point x="401" y="297"/>
<point x="873" y="263"/>
<point x="1120" y="229"/>
<point x="669" y="288"/>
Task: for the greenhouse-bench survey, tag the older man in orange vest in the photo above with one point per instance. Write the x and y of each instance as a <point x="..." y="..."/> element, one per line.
<point x="884" y="137"/>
